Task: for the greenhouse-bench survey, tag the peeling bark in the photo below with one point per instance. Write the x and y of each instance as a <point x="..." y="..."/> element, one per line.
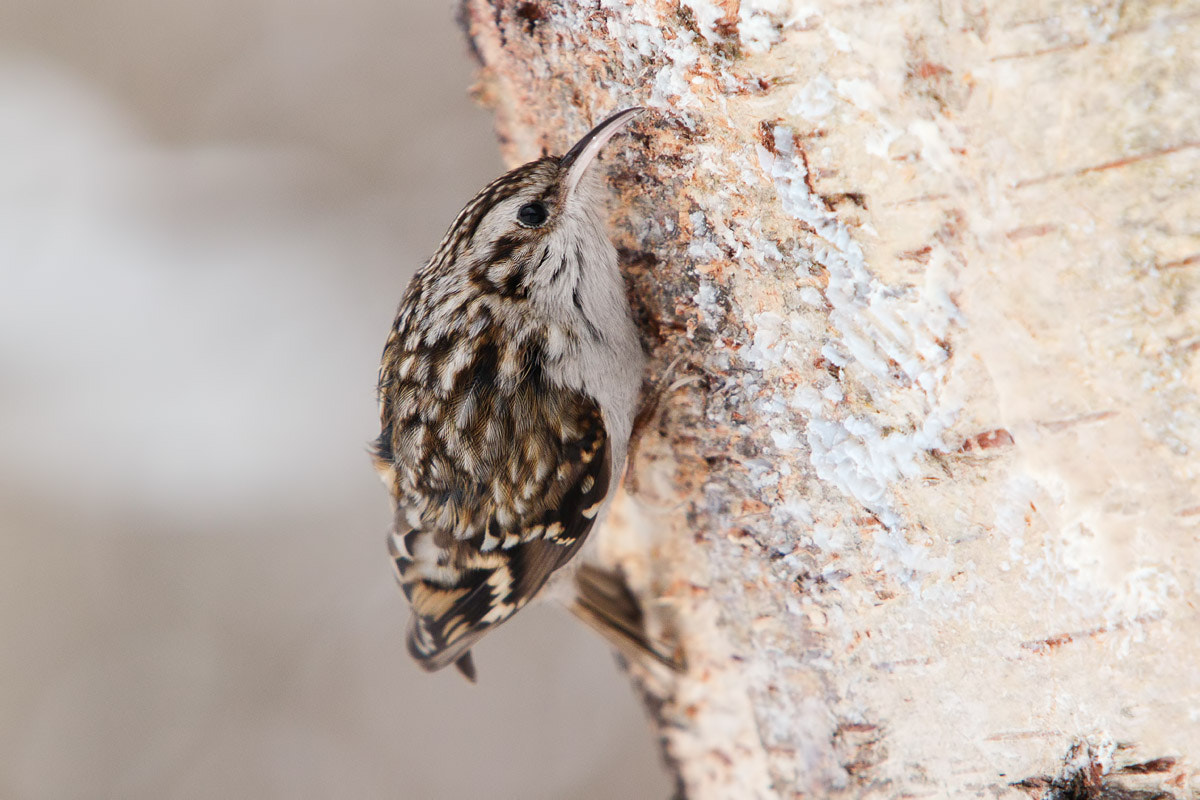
<point x="926" y="521"/>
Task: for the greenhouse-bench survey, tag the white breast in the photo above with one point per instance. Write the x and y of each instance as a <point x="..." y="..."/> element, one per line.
<point x="608" y="362"/>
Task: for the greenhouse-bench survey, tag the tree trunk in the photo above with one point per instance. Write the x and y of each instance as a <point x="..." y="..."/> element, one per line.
<point x="925" y="521"/>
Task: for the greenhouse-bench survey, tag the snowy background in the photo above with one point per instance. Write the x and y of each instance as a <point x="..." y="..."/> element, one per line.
<point x="208" y="212"/>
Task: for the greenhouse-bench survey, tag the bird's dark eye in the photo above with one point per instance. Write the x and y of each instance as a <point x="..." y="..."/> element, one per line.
<point x="532" y="214"/>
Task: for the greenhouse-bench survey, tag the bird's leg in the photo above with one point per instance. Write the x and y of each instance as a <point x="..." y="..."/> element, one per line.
<point x="650" y="414"/>
<point x="604" y="602"/>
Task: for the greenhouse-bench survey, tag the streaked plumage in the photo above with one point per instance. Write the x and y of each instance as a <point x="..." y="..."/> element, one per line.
<point x="507" y="389"/>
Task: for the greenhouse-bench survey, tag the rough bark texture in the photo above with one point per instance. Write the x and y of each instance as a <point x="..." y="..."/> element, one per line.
<point x="926" y="523"/>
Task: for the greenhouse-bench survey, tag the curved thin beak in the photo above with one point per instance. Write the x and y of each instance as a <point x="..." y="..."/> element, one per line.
<point x="580" y="157"/>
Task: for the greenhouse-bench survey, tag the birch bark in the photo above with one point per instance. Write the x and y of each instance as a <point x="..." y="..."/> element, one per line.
<point x="927" y="522"/>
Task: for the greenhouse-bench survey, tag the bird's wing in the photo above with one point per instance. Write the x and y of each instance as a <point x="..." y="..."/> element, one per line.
<point x="460" y="588"/>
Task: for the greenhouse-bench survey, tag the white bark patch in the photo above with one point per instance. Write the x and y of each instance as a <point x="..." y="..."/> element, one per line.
<point x="889" y="334"/>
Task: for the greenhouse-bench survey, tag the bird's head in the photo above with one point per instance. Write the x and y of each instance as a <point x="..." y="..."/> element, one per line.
<point x="532" y="226"/>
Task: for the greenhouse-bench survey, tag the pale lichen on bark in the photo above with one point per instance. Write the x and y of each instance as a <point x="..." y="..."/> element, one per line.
<point x="929" y="520"/>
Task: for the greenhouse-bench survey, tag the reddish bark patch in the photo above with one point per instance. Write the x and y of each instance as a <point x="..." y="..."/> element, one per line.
<point x="831" y="201"/>
<point x="920" y="254"/>
<point x="987" y="441"/>
<point x="530" y="15"/>
<point x="1150" y="767"/>
<point x="1049" y="643"/>
<point x="1090" y="782"/>
<point x="766" y="134"/>
<point x="1116" y="163"/>
<point x="927" y="69"/>
<point x="1182" y="262"/>
<point x="1030" y="231"/>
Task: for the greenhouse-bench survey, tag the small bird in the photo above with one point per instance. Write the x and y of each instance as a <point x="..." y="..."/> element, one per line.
<point x="508" y="390"/>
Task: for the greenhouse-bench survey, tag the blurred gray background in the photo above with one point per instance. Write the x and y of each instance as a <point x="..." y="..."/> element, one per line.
<point x="208" y="212"/>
